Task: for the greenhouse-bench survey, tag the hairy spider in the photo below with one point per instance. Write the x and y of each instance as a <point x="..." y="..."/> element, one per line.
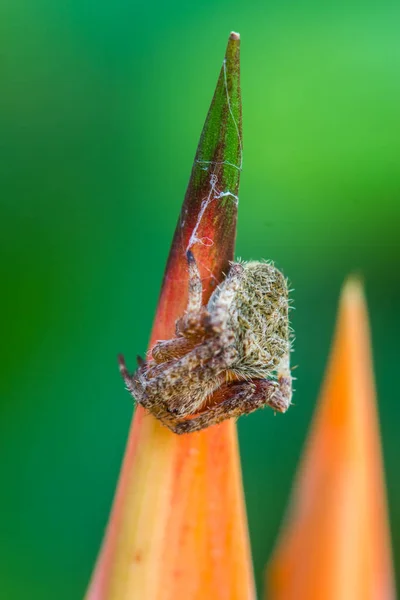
<point x="228" y="358"/>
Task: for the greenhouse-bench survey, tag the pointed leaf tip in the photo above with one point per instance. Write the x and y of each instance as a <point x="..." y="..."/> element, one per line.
<point x="336" y="541"/>
<point x="353" y="289"/>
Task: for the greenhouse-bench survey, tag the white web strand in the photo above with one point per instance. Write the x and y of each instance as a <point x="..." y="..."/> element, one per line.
<point x="213" y="195"/>
<point x="233" y="116"/>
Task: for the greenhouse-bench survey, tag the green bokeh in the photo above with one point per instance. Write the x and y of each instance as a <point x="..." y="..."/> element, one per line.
<point x="101" y="107"/>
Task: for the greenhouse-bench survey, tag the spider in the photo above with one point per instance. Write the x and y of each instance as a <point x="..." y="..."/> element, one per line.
<point x="228" y="358"/>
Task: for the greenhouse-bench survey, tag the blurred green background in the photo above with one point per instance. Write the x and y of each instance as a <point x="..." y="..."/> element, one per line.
<point x="101" y="107"/>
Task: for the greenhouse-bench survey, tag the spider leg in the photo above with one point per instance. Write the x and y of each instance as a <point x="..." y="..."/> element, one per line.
<point x="166" y="350"/>
<point x="167" y="383"/>
<point x="194" y="322"/>
<point x="285" y="380"/>
<point x="123" y="369"/>
<point x="194" y="325"/>
<point x="160" y="412"/>
<point x="200" y="322"/>
<point x="195" y="293"/>
<point x="239" y="398"/>
<point x="190" y="329"/>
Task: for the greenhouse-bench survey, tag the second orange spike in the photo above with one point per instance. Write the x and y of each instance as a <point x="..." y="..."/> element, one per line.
<point x="335" y="544"/>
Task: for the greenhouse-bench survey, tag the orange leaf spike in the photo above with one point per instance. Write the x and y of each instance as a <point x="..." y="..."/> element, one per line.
<point x="178" y="527"/>
<point x="335" y="544"/>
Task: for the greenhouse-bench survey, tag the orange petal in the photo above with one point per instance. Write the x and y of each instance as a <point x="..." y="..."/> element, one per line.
<point x="178" y="527"/>
<point x="336" y="544"/>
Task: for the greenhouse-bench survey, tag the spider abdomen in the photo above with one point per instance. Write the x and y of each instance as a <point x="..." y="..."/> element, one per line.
<point x="254" y="298"/>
